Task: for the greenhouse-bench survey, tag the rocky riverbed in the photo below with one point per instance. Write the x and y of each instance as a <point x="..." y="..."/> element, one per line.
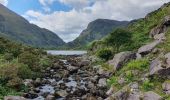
<point x="72" y="78"/>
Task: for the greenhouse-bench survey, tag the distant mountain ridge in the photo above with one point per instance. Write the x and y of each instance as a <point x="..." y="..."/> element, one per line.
<point x="15" y="27"/>
<point x="96" y="30"/>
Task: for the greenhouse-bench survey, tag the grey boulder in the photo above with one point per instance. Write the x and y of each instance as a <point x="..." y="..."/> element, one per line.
<point x="120" y="59"/>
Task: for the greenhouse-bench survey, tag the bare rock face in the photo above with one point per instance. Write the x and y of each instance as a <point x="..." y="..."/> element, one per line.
<point x="151" y="96"/>
<point x="14" y="98"/>
<point x="167" y="57"/>
<point x="121" y="58"/>
<point x="144" y="50"/>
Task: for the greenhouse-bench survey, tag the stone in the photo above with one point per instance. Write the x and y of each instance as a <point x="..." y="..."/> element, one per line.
<point x="160" y="36"/>
<point x="166" y="87"/>
<point x="50" y="97"/>
<point x="121" y="58"/>
<point x="102" y="82"/>
<point x="111" y="90"/>
<point x="61" y="93"/>
<point x="14" y="98"/>
<point x="167" y="57"/>
<point x="144" y="50"/>
<point x="72" y="69"/>
<point x="84" y="63"/>
<point x="28" y="82"/>
<point x="151" y="96"/>
<point x="120" y="95"/>
<point x="155" y="66"/>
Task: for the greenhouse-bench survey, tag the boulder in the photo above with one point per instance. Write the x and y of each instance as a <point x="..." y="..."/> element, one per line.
<point x="14" y="98"/>
<point x="144" y="50"/>
<point x="111" y="90"/>
<point x="129" y="92"/>
<point x="61" y="93"/>
<point x="155" y="66"/>
<point x="50" y="97"/>
<point x="84" y="63"/>
<point x="121" y="58"/>
<point x="162" y="28"/>
<point x="28" y="82"/>
<point x="158" y="67"/>
<point x="160" y="36"/>
<point x="72" y="69"/>
<point x="102" y="82"/>
<point x="151" y="96"/>
<point x="166" y="87"/>
<point x="167" y="57"/>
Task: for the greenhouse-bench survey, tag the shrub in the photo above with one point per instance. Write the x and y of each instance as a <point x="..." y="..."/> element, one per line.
<point x="30" y="59"/>
<point x="25" y="72"/>
<point x="105" y="53"/>
<point x="15" y="82"/>
<point x="118" y="38"/>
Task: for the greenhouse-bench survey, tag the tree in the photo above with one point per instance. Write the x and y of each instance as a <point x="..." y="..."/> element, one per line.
<point x="119" y="38"/>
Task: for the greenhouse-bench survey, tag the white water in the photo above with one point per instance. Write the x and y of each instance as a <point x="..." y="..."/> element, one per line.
<point x="66" y="52"/>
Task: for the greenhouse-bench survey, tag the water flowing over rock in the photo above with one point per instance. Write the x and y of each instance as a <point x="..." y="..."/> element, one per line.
<point x="121" y="58"/>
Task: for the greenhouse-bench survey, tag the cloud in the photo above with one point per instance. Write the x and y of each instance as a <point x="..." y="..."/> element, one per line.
<point x="69" y="24"/>
<point x="4" y="2"/>
<point x="46" y="3"/>
<point x="77" y="4"/>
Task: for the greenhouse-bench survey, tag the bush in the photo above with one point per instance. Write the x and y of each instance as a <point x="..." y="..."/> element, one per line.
<point x="118" y="38"/>
<point x="25" y="72"/>
<point x="105" y="54"/>
<point x="30" y="59"/>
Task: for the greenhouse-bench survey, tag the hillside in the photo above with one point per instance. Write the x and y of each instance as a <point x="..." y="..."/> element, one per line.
<point x="138" y="58"/>
<point x="15" y="27"/>
<point x="95" y="31"/>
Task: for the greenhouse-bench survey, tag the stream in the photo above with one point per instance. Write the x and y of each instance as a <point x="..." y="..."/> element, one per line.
<point x="72" y="78"/>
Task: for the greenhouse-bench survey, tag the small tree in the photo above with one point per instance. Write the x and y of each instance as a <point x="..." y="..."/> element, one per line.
<point x="118" y="38"/>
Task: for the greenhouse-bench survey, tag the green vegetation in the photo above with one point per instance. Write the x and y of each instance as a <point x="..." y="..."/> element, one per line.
<point x="18" y="62"/>
<point x="105" y="53"/>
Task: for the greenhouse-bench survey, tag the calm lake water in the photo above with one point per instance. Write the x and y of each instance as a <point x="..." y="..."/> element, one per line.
<point x="66" y="52"/>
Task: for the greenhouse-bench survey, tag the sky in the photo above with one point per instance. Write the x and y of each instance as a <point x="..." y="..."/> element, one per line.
<point x="67" y="18"/>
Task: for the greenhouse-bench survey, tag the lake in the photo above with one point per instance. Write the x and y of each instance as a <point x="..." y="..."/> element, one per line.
<point x="66" y="52"/>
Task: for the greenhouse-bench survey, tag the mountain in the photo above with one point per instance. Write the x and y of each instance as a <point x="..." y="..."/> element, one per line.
<point x="138" y="32"/>
<point x="15" y="27"/>
<point x="96" y="30"/>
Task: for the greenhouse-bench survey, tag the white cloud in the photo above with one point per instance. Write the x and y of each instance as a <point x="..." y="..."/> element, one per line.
<point x="46" y="3"/>
<point x="69" y="24"/>
<point x="4" y="2"/>
<point x="77" y="4"/>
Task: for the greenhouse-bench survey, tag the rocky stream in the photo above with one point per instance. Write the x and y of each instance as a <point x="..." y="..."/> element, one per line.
<point x="72" y="78"/>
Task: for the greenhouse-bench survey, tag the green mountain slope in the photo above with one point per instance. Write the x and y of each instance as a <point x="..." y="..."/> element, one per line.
<point x="19" y="29"/>
<point x="95" y="31"/>
<point x="139" y="31"/>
